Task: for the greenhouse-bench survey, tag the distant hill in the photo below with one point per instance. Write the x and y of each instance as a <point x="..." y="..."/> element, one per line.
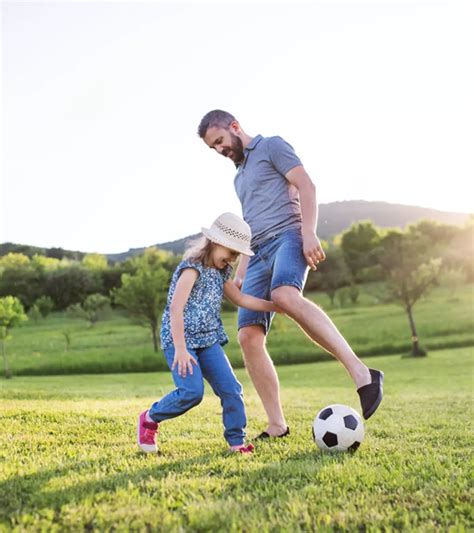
<point x="30" y="251"/>
<point x="333" y="218"/>
<point x="338" y="216"/>
<point x="177" y="247"/>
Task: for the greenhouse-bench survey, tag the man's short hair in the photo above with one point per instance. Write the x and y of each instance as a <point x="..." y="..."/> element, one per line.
<point x="215" y="119"/>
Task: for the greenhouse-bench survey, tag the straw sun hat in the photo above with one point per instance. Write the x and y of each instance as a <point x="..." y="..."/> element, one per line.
<point x="230" y="231"/>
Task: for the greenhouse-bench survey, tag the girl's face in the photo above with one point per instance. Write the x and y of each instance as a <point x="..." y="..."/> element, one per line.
<point x="222" y="256"/>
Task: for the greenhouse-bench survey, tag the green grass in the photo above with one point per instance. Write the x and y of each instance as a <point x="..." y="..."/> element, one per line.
<point x="69" y="460"/>
<point x="443" y="319"/>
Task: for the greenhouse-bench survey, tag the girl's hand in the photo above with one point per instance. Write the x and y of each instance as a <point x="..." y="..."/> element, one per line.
<point x="183" y="359"/>
<point x="277" y="309"/>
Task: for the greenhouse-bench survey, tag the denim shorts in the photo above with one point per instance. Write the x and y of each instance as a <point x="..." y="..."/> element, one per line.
<point x="278" y="261"/>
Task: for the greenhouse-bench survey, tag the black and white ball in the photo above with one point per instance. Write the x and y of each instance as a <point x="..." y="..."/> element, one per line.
<point x="338" y="428"/>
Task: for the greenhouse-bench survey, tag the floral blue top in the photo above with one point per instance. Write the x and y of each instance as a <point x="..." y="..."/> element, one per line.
<point x="202" y="312"/>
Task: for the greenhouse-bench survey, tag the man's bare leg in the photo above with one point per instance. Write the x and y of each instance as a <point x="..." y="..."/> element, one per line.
<point x="320" y="328"/>
<point x="263" y="375"/>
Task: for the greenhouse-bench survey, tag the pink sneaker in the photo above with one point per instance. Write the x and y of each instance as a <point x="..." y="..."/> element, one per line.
<point x="146" y="434"/>
<point x="242" y="448"/>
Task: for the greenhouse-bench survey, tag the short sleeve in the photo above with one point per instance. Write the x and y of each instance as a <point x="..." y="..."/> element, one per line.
<point x="282" y="155"/>
<point x="188" y="264"/>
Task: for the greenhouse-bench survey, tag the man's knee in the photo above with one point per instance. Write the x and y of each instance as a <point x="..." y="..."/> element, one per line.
<point x="251" y="338"/>
<point x="286" y="297"/>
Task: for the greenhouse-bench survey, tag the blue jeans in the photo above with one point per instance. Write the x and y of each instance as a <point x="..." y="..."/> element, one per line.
<point x="278" y="261"/>
<point x="214" y="366"/>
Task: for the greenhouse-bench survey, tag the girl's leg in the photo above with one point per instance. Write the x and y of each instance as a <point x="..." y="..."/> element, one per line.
<point x="188" y="393"/>
<point x="217" y="371"/>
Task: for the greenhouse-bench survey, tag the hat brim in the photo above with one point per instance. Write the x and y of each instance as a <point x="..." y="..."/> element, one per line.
<point x="216" y="238"/>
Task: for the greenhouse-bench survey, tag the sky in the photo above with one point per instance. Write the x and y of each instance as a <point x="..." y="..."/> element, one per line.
<point x="101" y="103"/>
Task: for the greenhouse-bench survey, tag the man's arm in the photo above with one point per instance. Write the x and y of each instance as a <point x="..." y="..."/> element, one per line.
<point x="241" y="270"/>
<point x="312" y="249"/>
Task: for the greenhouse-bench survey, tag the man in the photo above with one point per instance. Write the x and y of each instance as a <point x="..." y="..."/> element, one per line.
<point x="279" y="203"/>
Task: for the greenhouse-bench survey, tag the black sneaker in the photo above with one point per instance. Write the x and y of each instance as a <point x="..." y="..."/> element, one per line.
<point x="371" y="395"/>
<point x="265" y="435"/>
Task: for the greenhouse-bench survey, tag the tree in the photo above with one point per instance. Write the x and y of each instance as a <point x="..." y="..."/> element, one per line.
<point x="25" y="249"/>
<point x="45" y="264"/>
<point x="75" y="311"/>
<point x="359" y="245"/>
<point x="331" y="274"/>
<point x="34" y="313"/>
<point x="70" y="285"/>
<point x="91" y="309"/>
<point x="342" y="296"/>
<point x="94" y="305"/>
<point x="11" y="314"/>
<point x="14" y="260"/>
<point x="59" y="253"/>
<point x="96" y="262"/>
<point x="153" y="257"/>
<point x="67" y="334"/>
<point x="354" y="293"/>
<point x="459" y="254"/>
<point x="23" y="282"/>
<point x="435" y="233"/>
<point x="409" y="272"/>
<point x="452" y="279"/>
<point x="45" y="305"/>
<point x="143" y="294"/>
<point x="112" y="277"/>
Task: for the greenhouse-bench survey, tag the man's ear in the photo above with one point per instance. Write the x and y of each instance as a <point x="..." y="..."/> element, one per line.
<point x="235" y="127"/>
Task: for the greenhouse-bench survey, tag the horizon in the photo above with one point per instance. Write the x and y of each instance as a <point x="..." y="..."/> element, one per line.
<point x="161" y="241"/>
<point x="100" y="149"/>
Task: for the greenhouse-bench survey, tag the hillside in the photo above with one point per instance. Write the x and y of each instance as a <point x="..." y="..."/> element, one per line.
<point x="334" y="217"/>
<point x="338" y="216"/>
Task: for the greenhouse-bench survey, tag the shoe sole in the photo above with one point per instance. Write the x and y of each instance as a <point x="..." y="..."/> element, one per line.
<point x="146" y="448"/>
<point x="378" y="400"/>
<point x="264" y="436"/>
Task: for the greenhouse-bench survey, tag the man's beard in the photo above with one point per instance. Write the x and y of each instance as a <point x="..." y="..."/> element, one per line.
<point x="237" y="148"/>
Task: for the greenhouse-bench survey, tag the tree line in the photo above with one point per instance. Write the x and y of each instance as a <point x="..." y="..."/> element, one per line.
<point x="408" y="262"/>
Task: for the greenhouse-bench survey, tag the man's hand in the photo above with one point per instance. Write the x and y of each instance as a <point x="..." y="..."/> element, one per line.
<point x="184" y="360"/>
<point x="312" y="250"/>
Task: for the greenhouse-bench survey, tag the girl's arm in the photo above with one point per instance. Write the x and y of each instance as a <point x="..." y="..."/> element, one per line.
<point x="234" y="294"/>
<point x="181" y="294"/>
<point x="241" y="270"/>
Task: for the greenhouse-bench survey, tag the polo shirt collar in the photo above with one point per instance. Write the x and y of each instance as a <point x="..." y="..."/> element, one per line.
<point x="251" y="145"/>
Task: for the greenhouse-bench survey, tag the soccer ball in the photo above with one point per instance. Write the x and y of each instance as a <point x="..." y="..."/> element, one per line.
<point x="338" y="428"/>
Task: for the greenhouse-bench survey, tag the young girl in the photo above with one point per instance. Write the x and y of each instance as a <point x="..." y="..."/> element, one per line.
<point x="192" y="334"/>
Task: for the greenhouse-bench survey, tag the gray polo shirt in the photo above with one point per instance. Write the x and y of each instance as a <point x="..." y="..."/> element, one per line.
<point x="270" y="204"/>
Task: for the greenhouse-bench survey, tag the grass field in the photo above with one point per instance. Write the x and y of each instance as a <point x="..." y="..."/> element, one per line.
<point x="69" y="460"/>
<point x="444" y="320"/>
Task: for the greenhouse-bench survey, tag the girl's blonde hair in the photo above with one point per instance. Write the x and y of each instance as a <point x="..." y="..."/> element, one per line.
<point x="199" y="250"/>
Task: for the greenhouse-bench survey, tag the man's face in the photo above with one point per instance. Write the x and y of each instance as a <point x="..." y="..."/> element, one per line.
<point x="226" y="143"/>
